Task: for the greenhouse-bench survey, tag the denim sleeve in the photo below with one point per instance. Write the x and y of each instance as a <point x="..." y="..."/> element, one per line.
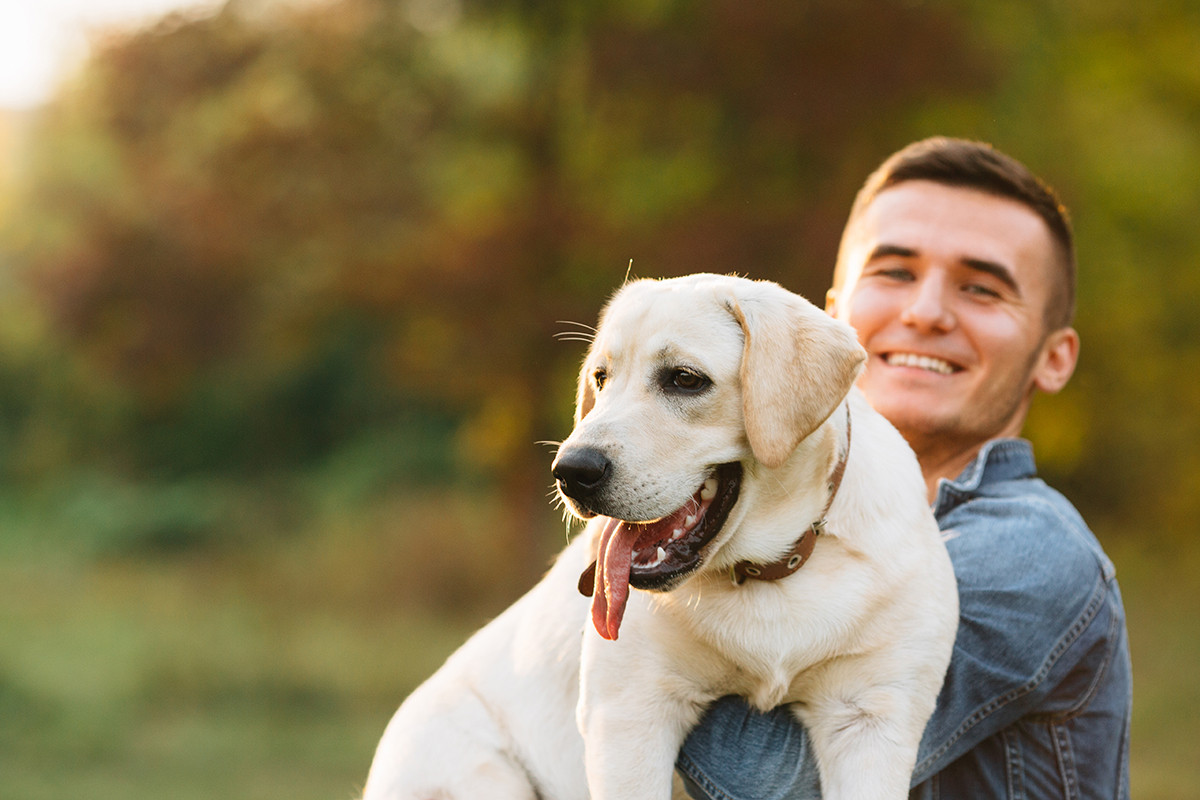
<point x="1030" y="585"/>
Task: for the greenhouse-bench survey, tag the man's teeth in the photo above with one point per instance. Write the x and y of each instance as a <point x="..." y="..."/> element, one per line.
<point x="921" y="362"/>
<point x="709" y="490"/>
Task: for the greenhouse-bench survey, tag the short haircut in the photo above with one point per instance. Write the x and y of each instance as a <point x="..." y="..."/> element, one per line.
<point x="978" y="166"/>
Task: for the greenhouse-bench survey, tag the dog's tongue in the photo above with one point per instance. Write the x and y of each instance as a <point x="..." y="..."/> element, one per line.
<point x="611" y="592"/>
<point x="614" y="559"/>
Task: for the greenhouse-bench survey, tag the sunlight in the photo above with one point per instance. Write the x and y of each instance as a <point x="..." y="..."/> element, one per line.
<point x="31" y="50"/>
<point x="40" y="42"/>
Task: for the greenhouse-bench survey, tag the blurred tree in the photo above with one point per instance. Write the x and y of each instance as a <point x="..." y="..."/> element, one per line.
<point x="271" y="231"/>
<point x="265" y="234"/>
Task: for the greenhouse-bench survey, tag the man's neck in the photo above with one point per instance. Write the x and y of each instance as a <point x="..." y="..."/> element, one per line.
<point x="946" y="457"/>
<point x="948" y="465"/>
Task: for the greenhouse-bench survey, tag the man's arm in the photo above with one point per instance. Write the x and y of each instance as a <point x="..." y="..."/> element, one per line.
<point x="1035" y="600"/>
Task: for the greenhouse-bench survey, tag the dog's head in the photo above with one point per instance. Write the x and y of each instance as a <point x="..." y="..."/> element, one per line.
<point x="686" y="381"/>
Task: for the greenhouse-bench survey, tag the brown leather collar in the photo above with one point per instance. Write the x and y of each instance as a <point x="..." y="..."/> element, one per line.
<point x="795" y="558"/>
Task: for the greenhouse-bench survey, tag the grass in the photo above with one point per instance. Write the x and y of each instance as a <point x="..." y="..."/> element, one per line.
<point x="267" y="666"/>
<point x="260" y="666"/>
<point x="152" y="682"/>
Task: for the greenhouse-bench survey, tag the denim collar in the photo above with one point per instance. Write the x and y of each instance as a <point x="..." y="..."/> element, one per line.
<point x="998" y="460"/>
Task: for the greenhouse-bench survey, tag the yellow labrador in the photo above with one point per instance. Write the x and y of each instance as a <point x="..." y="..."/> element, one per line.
<point x="777" y="534"/>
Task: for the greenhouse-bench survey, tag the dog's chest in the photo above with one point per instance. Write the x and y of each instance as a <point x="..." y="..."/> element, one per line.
<point x="767" y="653"/>
<point x="768" y="683"/>
<point x="765" y="692"/>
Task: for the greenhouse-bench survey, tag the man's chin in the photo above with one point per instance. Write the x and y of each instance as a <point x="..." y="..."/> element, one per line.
<point x="919" y="416"/>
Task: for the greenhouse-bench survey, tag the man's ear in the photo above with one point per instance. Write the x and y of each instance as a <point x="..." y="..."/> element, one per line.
<point x="1056" y="364"/>
<point x="798" y="364"/>
<point x="831" y="298"/>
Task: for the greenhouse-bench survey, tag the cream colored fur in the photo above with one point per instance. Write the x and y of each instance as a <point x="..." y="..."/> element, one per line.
<point x="538" y="705"/>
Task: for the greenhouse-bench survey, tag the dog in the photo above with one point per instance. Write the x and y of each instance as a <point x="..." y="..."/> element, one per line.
<point x="755" y="528"/>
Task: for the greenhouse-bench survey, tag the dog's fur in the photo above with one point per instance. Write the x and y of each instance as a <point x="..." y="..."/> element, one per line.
<point x="538" y="705"/>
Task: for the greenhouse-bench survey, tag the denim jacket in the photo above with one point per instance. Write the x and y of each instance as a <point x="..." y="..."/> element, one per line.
<point x="1036" y="702"/>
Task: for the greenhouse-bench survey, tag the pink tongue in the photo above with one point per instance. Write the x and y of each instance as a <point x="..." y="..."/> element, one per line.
<point x="613" y="560"/>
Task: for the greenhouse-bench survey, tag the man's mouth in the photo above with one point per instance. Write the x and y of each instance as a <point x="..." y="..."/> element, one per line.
<point x="656" y="555"/>
<point x="927" y="363"/>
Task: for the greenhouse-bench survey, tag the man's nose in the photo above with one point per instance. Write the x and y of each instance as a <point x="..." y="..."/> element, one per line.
<point x="928" y="308"/>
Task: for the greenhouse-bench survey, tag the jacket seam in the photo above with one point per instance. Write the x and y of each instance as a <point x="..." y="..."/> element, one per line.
<point x="1016" y="767"/>
<point x="702" y="781"/>
<point x="1066" y="760"/>
<point x="1089" y="694"/>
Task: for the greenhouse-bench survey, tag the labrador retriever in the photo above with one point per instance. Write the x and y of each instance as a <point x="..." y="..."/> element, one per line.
<point x="755" y="529"/>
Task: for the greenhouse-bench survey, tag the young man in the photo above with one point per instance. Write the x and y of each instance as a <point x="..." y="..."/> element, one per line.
<point x="957" y="270"/>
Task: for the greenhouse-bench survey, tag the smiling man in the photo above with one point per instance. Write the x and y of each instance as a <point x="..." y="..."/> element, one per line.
<point x="962" y="299"/>
<point x="957" y="270"/>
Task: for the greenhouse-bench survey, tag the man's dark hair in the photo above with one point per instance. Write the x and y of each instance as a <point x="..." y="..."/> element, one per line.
<point x="979" y="166"/>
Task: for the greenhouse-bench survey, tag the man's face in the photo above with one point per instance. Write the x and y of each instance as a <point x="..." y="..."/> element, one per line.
<point x="947" y="288"/>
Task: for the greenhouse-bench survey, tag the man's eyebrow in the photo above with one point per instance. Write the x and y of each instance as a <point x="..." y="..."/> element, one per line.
<point x="997" y="271"/>
<point x="885" y="250"/>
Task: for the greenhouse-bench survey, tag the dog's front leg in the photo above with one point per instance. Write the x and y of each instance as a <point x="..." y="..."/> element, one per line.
<point x="634" y="713"/>
<point x="865" y="742"/>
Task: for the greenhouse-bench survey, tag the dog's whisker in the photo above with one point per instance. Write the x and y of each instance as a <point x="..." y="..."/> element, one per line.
<point x="585" y="333"/>
<point x="577" y="324"/>
<point x="787" y="490"/>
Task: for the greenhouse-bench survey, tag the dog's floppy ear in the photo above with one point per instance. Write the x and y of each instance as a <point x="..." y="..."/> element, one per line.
<point x="798" y="363"/>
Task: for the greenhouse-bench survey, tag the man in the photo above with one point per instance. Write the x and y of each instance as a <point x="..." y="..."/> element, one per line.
<point x="957" y="270"/>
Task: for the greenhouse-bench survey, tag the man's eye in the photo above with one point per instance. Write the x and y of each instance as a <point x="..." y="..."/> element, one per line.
<point x="895" y="274"/>
<point x="980" y="290"/>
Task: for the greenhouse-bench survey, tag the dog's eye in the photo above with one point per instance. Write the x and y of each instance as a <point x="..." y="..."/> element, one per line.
<point x="685" y="381"/>
<point x="599" y="377"/>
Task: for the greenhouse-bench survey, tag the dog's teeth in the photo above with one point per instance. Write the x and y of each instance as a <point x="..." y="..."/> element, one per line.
<point x="709" y="490"/>
<point x="690" y="521"/>
<point x="676" y="534"/>
<point x="660" y="555"/>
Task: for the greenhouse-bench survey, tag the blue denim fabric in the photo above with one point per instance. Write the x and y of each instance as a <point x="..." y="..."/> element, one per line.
<point x="1036" y="703"/>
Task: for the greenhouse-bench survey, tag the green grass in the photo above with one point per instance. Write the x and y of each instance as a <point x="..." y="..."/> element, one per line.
<point x="255" y="666"/>
<point x="145" y="681"/>
<point x="266" y="666"/>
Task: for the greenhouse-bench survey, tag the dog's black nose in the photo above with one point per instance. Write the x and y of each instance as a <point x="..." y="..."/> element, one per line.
<point x="580" y="471"/>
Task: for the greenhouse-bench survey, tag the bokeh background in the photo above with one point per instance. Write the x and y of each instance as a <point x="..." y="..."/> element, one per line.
<point x="280" y="284"/>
